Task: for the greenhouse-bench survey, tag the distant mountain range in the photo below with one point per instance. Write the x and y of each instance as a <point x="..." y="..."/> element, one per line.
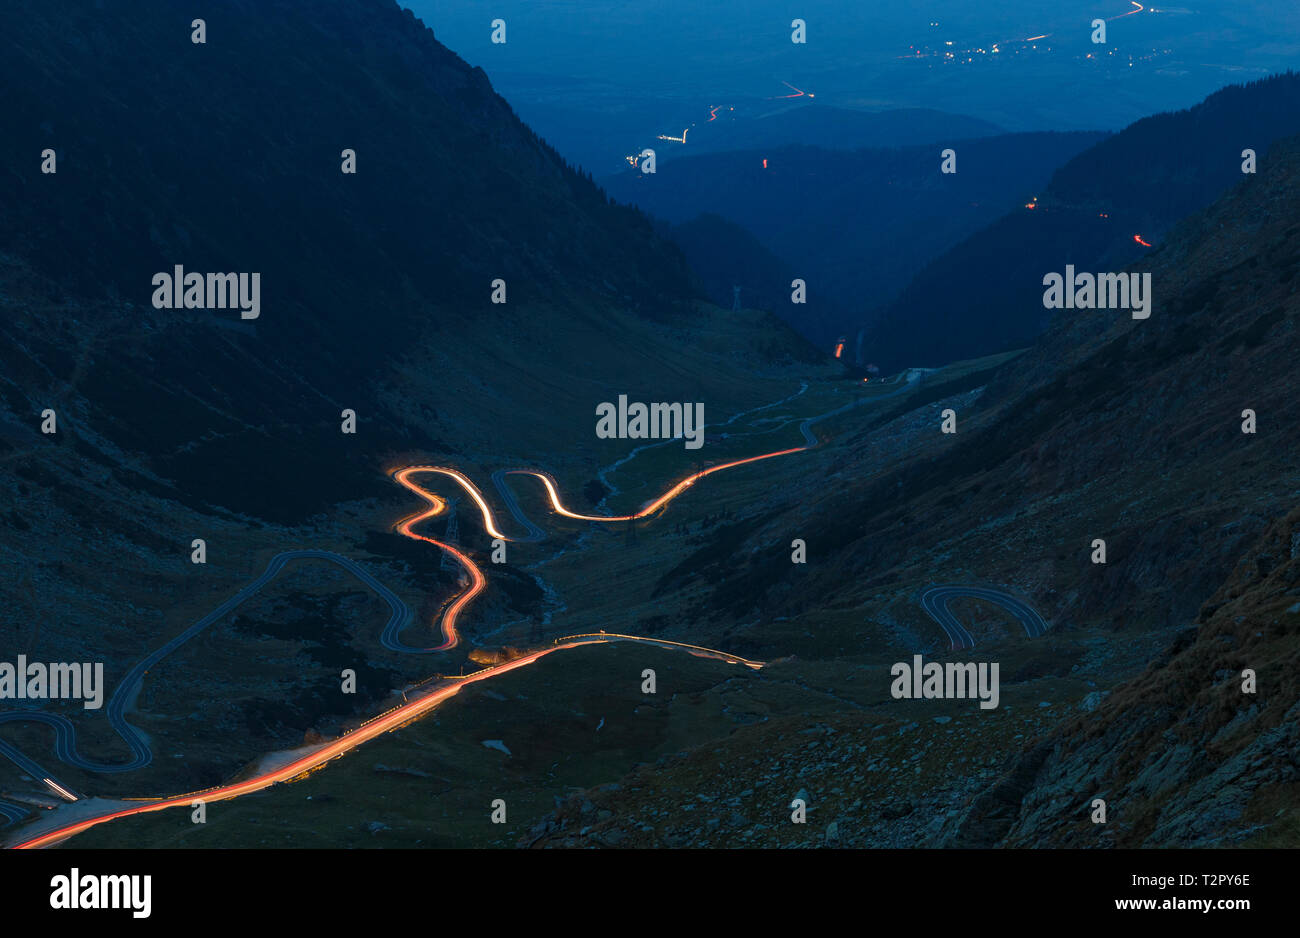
<point x="1107" y="428"/>
<point x="597" y="127"/>
<point x="854" y="224"/>
<point x="375" y="300"/>
<point x="373" y="283"/>
<point x="985" y="293"/>
<point x="830" y="128"/>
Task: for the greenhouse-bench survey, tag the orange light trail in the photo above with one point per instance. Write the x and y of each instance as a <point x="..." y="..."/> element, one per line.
<point x="1138" y="239"/>
<point x="385" y="722"/>
<point x="558" y="507"/>
<point x="797" y="93"/>
<point x="478" y="582"/>
<point x="398" y="716"/>
<point x="437" y="504"/>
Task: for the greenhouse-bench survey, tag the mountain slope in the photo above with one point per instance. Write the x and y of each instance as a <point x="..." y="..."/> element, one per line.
<point x="1180" y="753"/>
<point x="985" y="294"/>
<point x="376" y="287"/>
<point x="1107" y="427"/>
<point x="854" y="224"/>
<point x="724" y="256"/>
<point x="182" y="424"/>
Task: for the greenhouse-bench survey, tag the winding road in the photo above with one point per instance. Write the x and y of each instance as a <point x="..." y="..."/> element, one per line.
<point x="58" y="827"/>
<point x="425" y="699"/>
<point x="65" y="734"/>
<point x="13" y="812"/>
<point x="935" y="599"/>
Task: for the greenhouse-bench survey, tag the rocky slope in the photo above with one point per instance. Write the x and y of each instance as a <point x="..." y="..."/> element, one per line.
<point x="1182" y="755"/>
<point x="174" y="424"/>
<point x="1130" y="430"/>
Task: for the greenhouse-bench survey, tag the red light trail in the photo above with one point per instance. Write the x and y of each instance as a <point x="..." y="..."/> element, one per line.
<point x="398" y="716"/>
<point x="797" y="93"/>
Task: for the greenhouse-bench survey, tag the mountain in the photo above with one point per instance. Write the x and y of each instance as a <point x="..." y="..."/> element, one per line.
<point x="1182" y="754"/>
<point x="855" y="225"/>
<point x="564" y="110"/>
<point x="1111" y="428"/>
<point x="828" y="128"/>
<point x="176" y="424"/>
<point x="724" y="256"/>
<point x="1070" y="439"/>
<point x="376" y="286"/>
<point x="985" y="293"/>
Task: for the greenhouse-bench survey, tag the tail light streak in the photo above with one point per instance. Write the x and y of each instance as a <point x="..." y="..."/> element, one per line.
<point x="435" y="694"/>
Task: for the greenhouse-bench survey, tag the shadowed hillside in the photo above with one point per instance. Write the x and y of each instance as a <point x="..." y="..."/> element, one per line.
<point x="179" y="424"/>
<point x="856" y="225"/>
<point x="985" y="294"/>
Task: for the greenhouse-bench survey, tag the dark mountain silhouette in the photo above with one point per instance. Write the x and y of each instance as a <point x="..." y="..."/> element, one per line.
<point x="724" y="256"/>
<point x="831" y="128"/>
<point x="985" y="294"/>
<point x="596" y="128"/>
<point x="181" y="156"/>
<point x="1183" y="755"/>
<point x="183" y="424"/>
<point x="376" y="287"/>
<point x="1129" y="431"/>
<point x="855" y="225"/>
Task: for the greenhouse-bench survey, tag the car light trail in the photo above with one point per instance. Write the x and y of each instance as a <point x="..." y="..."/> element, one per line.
<point x="558" y="506"/>
<point x="797" y="93"/>
<point x="403" y="477"/>
<point x="384" y="723"/>
<point x="59" y="789"/>
<point x="411" y="710"/>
